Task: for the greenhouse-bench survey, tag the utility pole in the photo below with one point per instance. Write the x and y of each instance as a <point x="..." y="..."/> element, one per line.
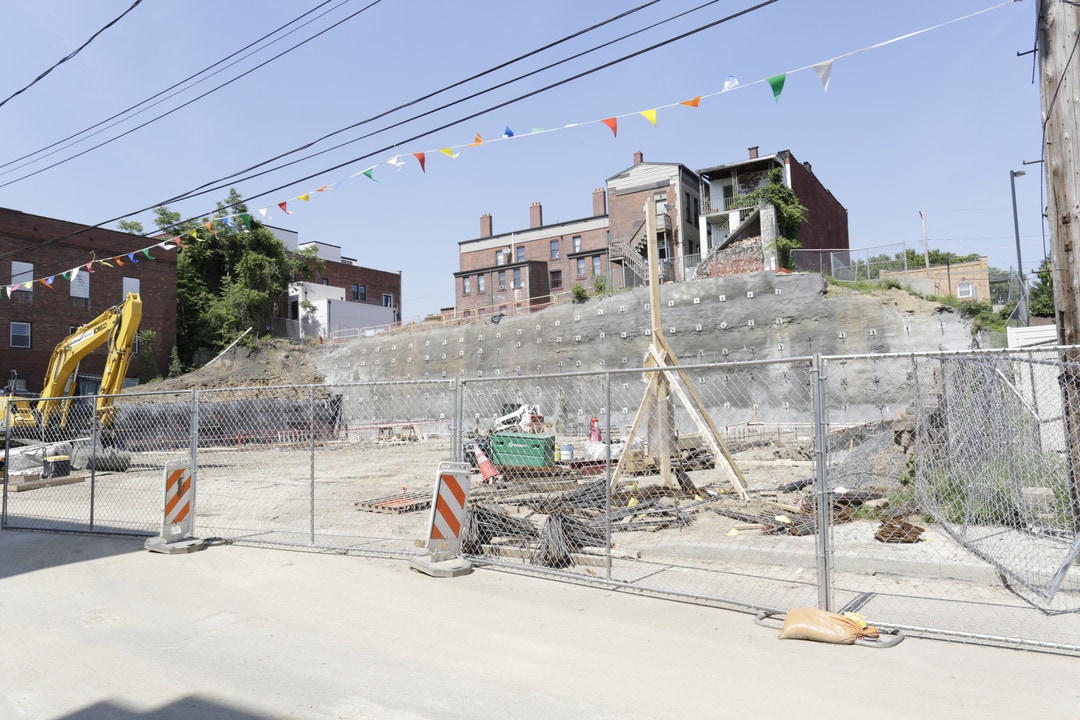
<point x="1058" y="25"/>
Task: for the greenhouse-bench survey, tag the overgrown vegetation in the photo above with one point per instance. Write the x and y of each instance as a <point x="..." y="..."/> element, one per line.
<point x="1041" y="295"/>
<point x="790" y="214"/>
<point x="578" y="293"/>
<point x="232" y="274"/>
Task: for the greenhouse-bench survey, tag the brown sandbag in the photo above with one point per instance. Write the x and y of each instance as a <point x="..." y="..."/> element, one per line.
<point x="823" y="626"/>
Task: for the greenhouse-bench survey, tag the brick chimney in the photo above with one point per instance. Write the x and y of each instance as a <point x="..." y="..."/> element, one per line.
<point x="485" y="225"/>
<point x="639" y="157"/>
<point x="753" y="152"/>
<point x="536" y="215"/>
<point x="599" y="202"/>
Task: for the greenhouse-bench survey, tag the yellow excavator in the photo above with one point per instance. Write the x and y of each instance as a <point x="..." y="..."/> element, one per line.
<point x="49" y="414"/>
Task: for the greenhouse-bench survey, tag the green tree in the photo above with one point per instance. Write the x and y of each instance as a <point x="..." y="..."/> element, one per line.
<point x="229" y="277"/>
<point x="790" y="213"/>
<point x="1041" y="295"/>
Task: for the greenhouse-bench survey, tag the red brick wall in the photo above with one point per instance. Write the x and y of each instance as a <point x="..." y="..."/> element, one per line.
<point x="53" y="312"/>
<point x="826" y="223"/>
<point x="377" y="282"/>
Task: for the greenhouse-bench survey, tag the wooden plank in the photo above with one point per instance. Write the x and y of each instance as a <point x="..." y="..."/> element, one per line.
<point x="15" y="485"/>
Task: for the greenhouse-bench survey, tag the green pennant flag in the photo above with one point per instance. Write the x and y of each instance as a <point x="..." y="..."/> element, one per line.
<point x="67" y="275"/>
<point x="777" y="85"/>
<point x="146" y="252"/>
<point x="370" y="172"/>
<point x="246" y="220"/>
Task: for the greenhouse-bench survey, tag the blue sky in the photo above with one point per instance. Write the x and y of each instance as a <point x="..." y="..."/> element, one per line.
<point x="934" y="122"/>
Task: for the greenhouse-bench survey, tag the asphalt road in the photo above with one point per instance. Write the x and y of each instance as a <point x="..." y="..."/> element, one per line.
<point x="96" y="628"/>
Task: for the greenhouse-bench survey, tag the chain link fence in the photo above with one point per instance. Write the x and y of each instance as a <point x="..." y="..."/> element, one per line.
<point x="928" y="492"/>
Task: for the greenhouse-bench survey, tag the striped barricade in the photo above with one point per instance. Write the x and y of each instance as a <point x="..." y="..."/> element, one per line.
<point x="445" y="524"/>
<point x="179" y="515"/>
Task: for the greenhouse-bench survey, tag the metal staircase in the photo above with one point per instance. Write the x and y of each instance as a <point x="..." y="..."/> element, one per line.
<point x="628" y="252"/>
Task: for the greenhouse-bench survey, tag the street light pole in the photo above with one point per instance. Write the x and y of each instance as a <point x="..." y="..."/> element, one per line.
<point x="1022" y="306"/>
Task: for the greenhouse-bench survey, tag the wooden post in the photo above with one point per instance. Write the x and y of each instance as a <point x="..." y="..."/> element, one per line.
<point x="661" y="397"/>
<point x="1058" y="25"/>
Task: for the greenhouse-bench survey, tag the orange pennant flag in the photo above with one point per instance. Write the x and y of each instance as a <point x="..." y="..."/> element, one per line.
<point x="209" y="226"/>
<point x="47" y="282"/>
<point x="477" y="142"/>
<point x="119" y="261"/>
<point x="650" y="115"/>
<point x="421" y="158"/>
<point x="692" y="103"/>
<point x="612" y="123"/>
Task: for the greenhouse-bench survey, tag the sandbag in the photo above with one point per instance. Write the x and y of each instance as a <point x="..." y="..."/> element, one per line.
<point x="824" y="626"/>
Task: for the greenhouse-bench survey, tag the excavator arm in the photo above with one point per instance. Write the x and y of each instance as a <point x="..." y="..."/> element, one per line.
<point x="118" y="326"/>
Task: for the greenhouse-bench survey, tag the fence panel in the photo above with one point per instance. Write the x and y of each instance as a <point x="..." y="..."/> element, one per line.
<point x="953" y="465"/>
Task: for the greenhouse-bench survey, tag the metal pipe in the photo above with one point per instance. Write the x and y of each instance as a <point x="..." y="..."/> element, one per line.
<point x="1022" y="303"/>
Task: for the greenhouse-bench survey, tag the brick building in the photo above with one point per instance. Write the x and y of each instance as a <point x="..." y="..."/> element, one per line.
<point x="699" y="230"/>
<point x="39" y="250"/>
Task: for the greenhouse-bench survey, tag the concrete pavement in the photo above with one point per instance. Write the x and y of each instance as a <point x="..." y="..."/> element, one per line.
<point x="95" y="628"/>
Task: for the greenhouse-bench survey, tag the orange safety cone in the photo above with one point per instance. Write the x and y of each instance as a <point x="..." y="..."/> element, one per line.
<point x="487" y="468"/>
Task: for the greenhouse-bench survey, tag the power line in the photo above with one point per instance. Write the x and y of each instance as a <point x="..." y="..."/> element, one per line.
<point x="195" y="99"/>
<point x="444" y="126"/>
<point x="186" y="80"/>
<point x="64" y="59"/>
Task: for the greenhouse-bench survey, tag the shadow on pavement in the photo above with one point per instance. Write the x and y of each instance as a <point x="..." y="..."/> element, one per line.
<point x="188" y="708"/>
<point x="26" y="551"/>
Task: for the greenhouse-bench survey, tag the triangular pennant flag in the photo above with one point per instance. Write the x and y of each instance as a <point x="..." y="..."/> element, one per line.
<point x="731" y="83"/>
<point x="177" y="239"/>
<point x="146" y="252"/>
<point x="66" y="275"/>
<point x="28" y="285"/>
<point x="285" y="208"/>
<point x="449" y="152"/>
<point x="396" y="162"/>
<point x="508" y="132"/>
<point x="612" y="123"/>
<point x="47" y="282"/>
<point x="370" y="172"/>
<point x="90" y="266"/>
<point x="777" y="84"/>
<point x="824" y="70"/>
<point x="692" y="103"/>
<point x="477" y="142"/>
<point x="166" y="245"/>
<point x="10" y="289"/>
<point x="327" y="188"/>
<point x="133" y="259"/>
<point x="209" y="225"/>
<point x="105" y="263"/>
<point x="262" y="211"/>
<point x="75" y="273"/>
<point x="649" y="115"/>
<point x="246" y="220"/>
<point x="193" y="233"/>
<point x="119" y="261"/>
<point x="305" y="197"/>
<point x="422" y="159"/>
<point x="227" y="221"/>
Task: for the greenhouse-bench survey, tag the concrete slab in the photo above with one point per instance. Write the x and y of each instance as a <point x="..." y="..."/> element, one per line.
<point x="98" y="628"/>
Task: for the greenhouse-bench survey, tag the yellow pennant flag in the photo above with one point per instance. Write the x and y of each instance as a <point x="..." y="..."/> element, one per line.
<point x="449" y="152"/>
<point x="304" y="197"/>
<point x="649" y="115"/>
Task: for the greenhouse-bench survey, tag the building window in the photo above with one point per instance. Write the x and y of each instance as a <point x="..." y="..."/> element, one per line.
<point x="521" y="253"/>
<point x="965" y="290"/>
<point x="577" y="243"/>
<point x="517" y="277"/>
<point x="363" y="293"/>
<point x="581" y="268"/>
<point x="20" y="335"/>
<point x="130" y="285"/>
<point x="22" y="273"/>
<point x="556" y="279"/>
<point x="355" y="291"/>
<point x="500" y="257"/>
<point x="502" y="279"/>
<point x="325" y="281"/>
<point x="596" y="266"/>
<point x="388" y="300"/>
<point x="554" y="249"/>
<point x="480" y="283"/>
<point x="466" y="285"/>
<point x="80" y="285"/>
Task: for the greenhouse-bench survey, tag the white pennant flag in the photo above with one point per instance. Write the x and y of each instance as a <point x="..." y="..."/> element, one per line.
<point x="75" y="272"/>
<point x="824" y="70"/>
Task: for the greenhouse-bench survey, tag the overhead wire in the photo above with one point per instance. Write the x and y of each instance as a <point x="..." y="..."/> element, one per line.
<point x="70" y="55"/>
<point x="195" y="99"/>
<point x="172" y="87"/>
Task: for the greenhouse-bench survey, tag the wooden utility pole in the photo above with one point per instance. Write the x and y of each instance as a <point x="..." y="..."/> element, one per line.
<point x="1059" y="24"/>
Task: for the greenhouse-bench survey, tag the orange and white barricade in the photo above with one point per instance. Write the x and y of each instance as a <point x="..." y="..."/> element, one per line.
<point x="179" y="512"/>
<point x="445" y="524"/>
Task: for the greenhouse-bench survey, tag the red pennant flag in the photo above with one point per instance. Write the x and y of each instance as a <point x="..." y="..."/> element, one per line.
<point x="692" y="103"/>
<point x="90" y="266"/>
<point x="284" y="208"/>
<point x="421" y="158"/>
<point x="612" y="123"/>
<point x="177" y="241"/>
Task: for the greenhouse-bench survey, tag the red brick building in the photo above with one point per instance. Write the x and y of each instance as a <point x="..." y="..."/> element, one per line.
<point x="34" y="249"/>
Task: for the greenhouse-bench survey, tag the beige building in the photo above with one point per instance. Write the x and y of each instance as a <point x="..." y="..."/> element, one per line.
<point x="964" y="281"/>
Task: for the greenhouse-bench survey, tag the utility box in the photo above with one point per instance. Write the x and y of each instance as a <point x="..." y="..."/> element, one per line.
<point x="56" y="466"/>
<point x="523" y="449"/>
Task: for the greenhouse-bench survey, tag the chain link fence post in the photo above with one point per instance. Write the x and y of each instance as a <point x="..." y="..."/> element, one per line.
<point x="607" y="473"/>
<point x="823" y="501"/>
<point x="311" y="473"/>
<point x="193" y="450"/>
<point x="457" y="438"/>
